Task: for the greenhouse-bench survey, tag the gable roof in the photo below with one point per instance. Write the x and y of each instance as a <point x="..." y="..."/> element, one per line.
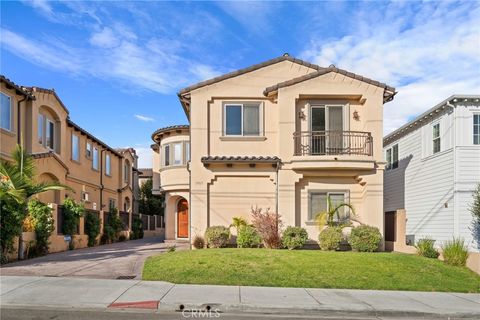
<point x="34" y="89"/>
<point x="285" y="57"/>
<point x="388" y="96"/>
<point x="427" y="116"/>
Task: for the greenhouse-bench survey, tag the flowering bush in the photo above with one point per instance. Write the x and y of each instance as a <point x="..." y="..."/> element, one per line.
<point x="268" y="225"/>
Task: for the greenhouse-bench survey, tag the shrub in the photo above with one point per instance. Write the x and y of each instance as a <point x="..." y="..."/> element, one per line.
<point x="217" y="236"/>
<point x="72" y="212"/>
<point x="43" y="223"/>
<point x="330" y="238"/>
<point x="294" y="237"/>
<point x="92" y="228"/>
<point x="198" y="242"/>
<point x="365" y="238"/>
<point x="426" y="249"/>
<point x="268" y="225"/>
<point x="455" y="252"/>
<point x="248" y="237"/>
<point x="137" y="229"/>
<point x="113" y="226"/>
<point x="171" y="248"/>
<point x="11" y="217"/>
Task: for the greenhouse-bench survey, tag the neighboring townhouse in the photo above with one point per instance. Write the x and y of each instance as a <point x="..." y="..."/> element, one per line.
<point x="99" y="175"/>
<point x="144" y="175"/>
<point x="433" y="166"/>
<point x="284" y="134"/>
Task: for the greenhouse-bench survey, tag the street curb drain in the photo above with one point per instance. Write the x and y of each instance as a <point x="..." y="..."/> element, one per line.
<point x="125" y="277"/>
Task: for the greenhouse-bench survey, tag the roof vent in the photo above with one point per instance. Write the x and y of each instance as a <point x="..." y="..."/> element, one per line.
<point x="286" y="54"/>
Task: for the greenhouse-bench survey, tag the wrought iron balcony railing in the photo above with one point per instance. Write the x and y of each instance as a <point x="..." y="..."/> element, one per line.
<point x="313" y="143"/>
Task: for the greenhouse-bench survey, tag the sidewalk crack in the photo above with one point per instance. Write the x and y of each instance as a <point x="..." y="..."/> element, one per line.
<point x="125" y="292"/>
<point x="173" y="285"/>
<point x="308" y="292"/>
<point x="22" y="286"/>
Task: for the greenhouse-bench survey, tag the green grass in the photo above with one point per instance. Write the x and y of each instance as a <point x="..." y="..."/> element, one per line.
<point x="310" y="269"/>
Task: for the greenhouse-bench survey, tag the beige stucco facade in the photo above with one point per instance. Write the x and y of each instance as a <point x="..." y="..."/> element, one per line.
<point x="271" y="169"/>
<point x="47" y="133"/>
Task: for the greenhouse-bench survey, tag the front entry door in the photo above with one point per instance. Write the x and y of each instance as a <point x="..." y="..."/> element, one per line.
<point x="182" y="219"/>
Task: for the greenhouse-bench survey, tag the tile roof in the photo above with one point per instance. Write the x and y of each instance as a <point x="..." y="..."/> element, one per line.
<point x="170" y="128"/>
<point x="92" y="137"/>
<point x="325" y="71"/>
<point x="48" y="154"/>
<point x="18" y="89"/>
<point x="34" y="89"/>
<point x="248" y="159"/>
<point x="285" y="57"/>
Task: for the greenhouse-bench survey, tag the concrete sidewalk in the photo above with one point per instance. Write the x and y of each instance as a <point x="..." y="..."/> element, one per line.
<point x="56" y="292"/>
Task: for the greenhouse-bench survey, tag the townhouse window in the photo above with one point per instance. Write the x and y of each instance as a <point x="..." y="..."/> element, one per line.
<point x="242" y="119"/>
<point x="392" y="157"/>
<point x="177" y="153"/>
<point x="95" y="159"/>
<point x="436" y="137"/>
<point x="108" y="166"/>
<point x="318" y="203"/>
<point x="112" y="203"/>
<point x="85" y="196"/>
<point x="50" y="135"/>
<point x="166" y="156"/>
<point x="126" y="172"/>
<point x="75" y="147"/>
<point x="5" y="112"/>
<point x="476" y="129"/>
<point x="88" y="150"/>
<point x="187" y="151"/>
<point x="40" y="135"/>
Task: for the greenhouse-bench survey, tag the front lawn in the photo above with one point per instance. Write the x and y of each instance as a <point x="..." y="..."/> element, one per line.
<point x="310" y="269"/>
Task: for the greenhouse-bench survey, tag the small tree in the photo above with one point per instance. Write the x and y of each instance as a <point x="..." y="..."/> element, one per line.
<point x="268" y="226"/>
<point x="92" y="228"/>
<point x="238" y="222"/>
<point x="475" y="210"/>
<point x="328" y="217"/>
<point x="149" y="203"/>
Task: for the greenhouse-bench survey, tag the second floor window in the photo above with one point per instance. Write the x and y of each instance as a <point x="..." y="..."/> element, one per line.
<point x="177" y="153"/>
<point x="5" y="112"/>
<point x="50" y="135"/>
<point x="187" y="151"/>
<point x="476" y="129"/>
<point x="242" y="119"/>
<point x="166" y="156"/>
<point x="436" y="137"/>
<point x="108" y="165"/>
<point x="392" y="157"/>
<point x="41" y="121"/>
<point x="95" y="159"/>
<point x="75" y="147"/>
<point x="126" y="172"/>
<point x="88" y="150"/>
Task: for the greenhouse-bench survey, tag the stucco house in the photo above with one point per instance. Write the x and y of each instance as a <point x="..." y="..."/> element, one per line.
<point x="433" y="166"/>
<point x="99" y="175"/>
<point x="283" y="134"/>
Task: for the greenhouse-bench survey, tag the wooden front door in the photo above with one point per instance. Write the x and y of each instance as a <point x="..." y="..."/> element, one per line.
<point x="182" y="219"/>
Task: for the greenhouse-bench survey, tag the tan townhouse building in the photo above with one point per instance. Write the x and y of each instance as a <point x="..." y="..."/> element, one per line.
<point x="99" y="175"/>
<point x="284" y="134"/>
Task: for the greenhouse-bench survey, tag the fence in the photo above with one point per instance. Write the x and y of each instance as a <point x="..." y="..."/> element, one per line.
<point x="145" y="221"/>
<point x="152" y="223"/>
<point x="61" y="219"/>
<point x="125" y="220"/>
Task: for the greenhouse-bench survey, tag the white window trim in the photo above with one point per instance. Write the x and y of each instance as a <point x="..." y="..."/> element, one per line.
<point x="439" y="136"/>
<point x="261" y="108"/>
<point x="346" y="196"/>
<point x="10" y="129"/>
<point x="327" y="111"/>
<point x="390" y="162"/>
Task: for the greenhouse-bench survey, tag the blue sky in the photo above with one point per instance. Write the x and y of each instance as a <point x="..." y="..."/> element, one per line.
<point x="118" y="65"/>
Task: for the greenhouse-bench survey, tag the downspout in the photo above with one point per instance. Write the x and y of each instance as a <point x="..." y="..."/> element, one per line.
<point x="277" y="167"/>
<point x="190" y="185"/>
<point x="101" y="179"/>
<point x="456" y="225"/>
<point x="19" y="141"/>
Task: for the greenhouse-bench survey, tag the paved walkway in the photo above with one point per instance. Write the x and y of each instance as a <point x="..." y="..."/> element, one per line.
<point x="105" y="262"/>
<point x="163" y="296"/>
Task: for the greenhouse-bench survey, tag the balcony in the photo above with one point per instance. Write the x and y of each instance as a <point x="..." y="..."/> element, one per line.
<point x="332" y="143"/>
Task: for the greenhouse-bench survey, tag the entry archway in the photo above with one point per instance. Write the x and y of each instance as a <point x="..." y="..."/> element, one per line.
<point x="182" y="218"/>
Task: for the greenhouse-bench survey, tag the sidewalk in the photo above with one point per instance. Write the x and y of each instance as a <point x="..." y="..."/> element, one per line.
<point x="56" y="292"/>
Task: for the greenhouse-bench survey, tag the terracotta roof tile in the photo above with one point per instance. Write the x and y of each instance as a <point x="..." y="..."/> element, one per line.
<point x="18" y="89"/>
<point x="170" y="128"/>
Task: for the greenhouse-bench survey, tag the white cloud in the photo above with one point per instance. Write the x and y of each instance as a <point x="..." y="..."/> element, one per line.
<point x="104" y="38"/>
<point x="145" y="157"/>
<point x="428" y="53"/>
<point x="144" y="118"/>
<point x="41" y="5"/>
<point x="252" y="15"/>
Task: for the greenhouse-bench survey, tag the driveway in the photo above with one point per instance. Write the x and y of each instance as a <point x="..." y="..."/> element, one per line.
<point x="122" y="259"/>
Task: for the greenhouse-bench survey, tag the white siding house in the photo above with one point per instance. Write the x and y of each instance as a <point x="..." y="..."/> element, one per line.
<point x="433" y="165"/>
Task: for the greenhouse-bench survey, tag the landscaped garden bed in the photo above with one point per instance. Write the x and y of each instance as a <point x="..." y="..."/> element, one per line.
<point x="310" y="269"/>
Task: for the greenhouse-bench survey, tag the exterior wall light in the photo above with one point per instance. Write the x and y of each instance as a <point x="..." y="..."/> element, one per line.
<point x="356" y="116"/>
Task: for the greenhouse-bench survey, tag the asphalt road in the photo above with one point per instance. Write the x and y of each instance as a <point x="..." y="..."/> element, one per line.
<point x="121" y="259"/>
<point x="69" y="314"/>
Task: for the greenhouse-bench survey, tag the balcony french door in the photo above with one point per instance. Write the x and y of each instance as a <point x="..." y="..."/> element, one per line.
<point x="323" y="119"/>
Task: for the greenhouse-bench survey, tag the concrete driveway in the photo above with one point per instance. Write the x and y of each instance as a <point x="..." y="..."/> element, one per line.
<point x="122" y="259"/>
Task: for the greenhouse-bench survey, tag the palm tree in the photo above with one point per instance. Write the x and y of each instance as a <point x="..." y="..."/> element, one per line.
<point x="328" y="217"/>
<point x="17" y="184"/>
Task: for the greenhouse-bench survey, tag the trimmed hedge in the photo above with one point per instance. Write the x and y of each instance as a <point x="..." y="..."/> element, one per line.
<point x="217" y="236"/>
<point x="330" y="238"/>
<point x="294" y="237"/>
<point x="365" y="238"/>
<point x="248" y="237"/>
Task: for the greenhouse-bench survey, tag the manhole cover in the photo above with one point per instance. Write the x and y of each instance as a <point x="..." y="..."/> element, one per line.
<point x="125" y="277"/>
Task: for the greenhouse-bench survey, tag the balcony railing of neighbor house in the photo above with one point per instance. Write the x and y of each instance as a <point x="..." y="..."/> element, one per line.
<point x="313" y="143"/>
